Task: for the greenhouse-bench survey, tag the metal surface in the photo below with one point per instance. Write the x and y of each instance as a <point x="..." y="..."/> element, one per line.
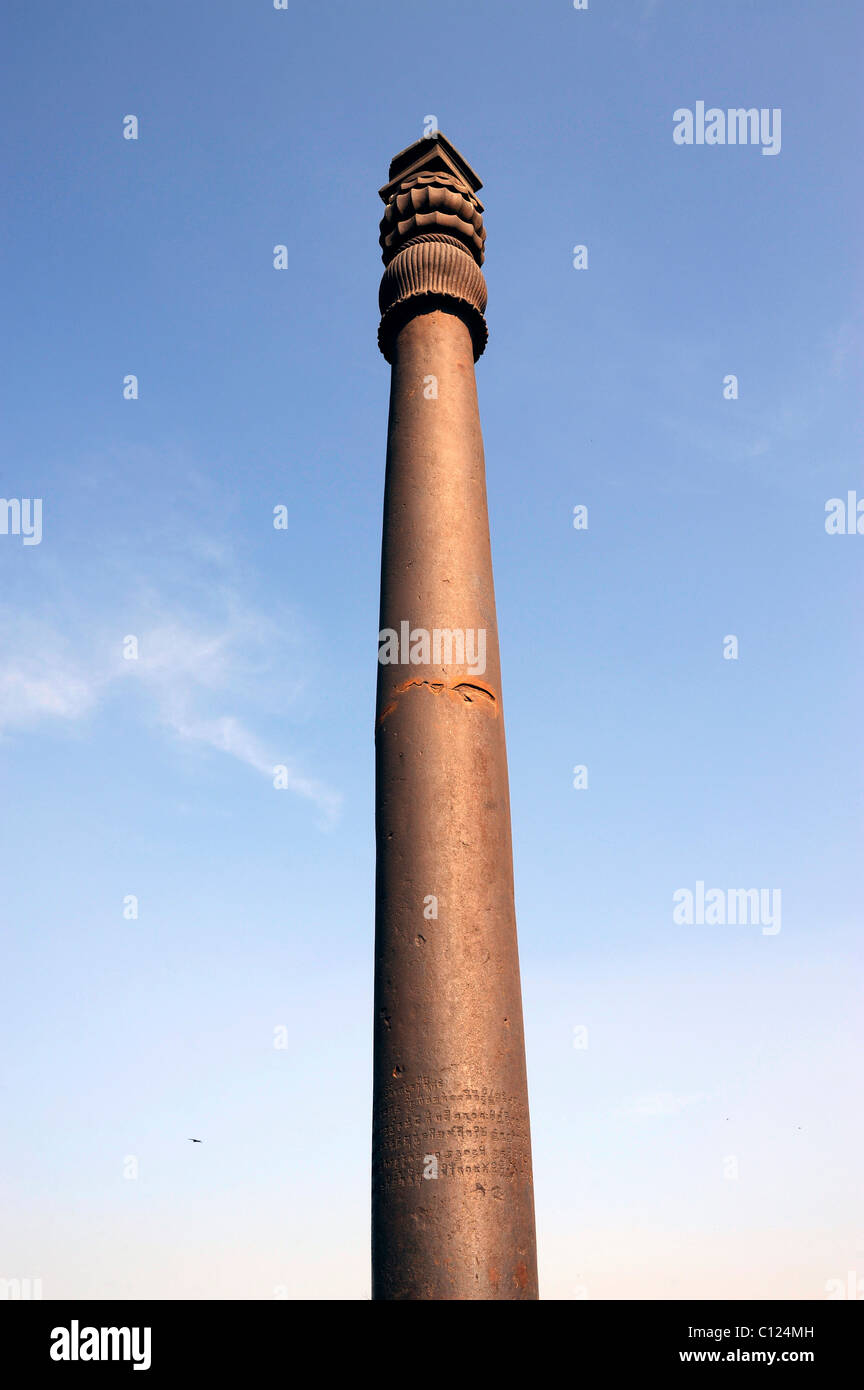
<point x="452" y="1197"/>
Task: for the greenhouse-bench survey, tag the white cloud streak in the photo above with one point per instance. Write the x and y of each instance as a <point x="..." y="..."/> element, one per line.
<point x="187" y="675"/>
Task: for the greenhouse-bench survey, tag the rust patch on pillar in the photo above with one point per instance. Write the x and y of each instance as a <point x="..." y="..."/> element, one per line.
<point x="462" y="690"/>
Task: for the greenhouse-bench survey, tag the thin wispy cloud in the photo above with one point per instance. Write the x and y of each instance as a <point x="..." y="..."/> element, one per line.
<point x="30" y="691"/>
<point x="190" y="678"/>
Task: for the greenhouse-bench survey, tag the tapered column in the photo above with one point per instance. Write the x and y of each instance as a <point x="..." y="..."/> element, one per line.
<point x="452" y="1198"/>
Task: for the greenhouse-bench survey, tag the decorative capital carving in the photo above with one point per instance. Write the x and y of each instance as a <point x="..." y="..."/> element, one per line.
<point x="432" y="239"/>
<point x="430" y="202"/>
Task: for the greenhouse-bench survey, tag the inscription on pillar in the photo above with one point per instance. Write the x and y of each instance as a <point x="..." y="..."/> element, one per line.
<point x="477" y="1133"/>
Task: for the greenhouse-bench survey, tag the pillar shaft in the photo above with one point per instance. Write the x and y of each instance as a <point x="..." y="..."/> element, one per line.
<point x="452" y="1205"/>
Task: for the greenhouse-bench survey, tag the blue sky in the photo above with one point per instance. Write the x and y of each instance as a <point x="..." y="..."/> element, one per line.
<point x="260" y="388"/>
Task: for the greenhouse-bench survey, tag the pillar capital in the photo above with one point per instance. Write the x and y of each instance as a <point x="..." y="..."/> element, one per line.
<point x="432" y="240"/>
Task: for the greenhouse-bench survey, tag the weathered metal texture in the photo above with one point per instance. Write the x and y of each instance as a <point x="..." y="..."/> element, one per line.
<point x="452" y="1196"/>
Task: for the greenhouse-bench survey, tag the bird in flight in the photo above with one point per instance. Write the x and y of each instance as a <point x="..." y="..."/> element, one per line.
<point x="196" y="1141"/>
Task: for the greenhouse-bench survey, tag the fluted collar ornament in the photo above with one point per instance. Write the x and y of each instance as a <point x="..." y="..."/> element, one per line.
<point x="432" y="239"/>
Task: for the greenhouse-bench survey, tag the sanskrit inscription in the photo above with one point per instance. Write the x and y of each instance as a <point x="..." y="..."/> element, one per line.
<point x="474" y="1132"/>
